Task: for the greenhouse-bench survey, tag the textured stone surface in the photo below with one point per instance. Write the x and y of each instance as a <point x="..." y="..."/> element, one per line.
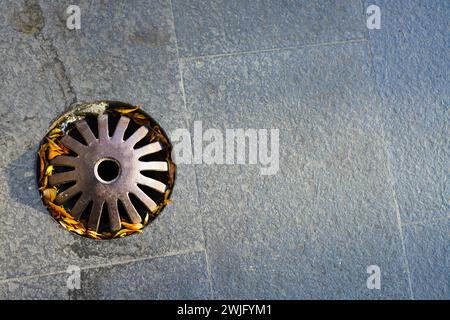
<point x="125" y="50"/>
<point x="311" y="230"/>
<point x="28" y="233"/>
<point x="427" y="248"/>
<point x="215" y="27"/>
<point x="174" y="277"/>
<point x="28" y="103"/>
<point x="410" y="56"/>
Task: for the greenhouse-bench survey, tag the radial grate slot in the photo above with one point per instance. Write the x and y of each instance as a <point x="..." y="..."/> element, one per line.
<point x="130" y="129"/>
<point x="138" y="204"/>
<point x="104" y="220"/>
<point x="113" y="120"/>
<point x="74" y="133"/>
<point x="70" y="204"/>
<point x="114" y="173"/>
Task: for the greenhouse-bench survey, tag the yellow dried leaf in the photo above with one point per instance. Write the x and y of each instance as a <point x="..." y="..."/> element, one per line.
<point x="55" y="133"/>
<point x="133" y="226"/>
<point x="43" y="183"/>
<point x="140" y="116"/>
<point x="41" y="167"/>
<point x="120" y="232"/>
<point x="49" y="194"/>
<point x="93" y="234"/>
<point x="125" y="232"/>
<point x="126" y="110"/>
<point x="147" y="217"/>
<point x="70" y="221"/>
<point x="55" y="148"/>
<point x="59" y="211"/>
<point x="70" y="228"/>
<point x="41" y="154"/>
<point x="49" y="170"/>
<point x="54" y="153"/>
<point x="140" y="119"/>
<point x="52" y="144"/>
<point x="80" y="231"/>
<point x="62" y="147"/>
<point x="156" y="210"/>
<point x="62" y="224"/>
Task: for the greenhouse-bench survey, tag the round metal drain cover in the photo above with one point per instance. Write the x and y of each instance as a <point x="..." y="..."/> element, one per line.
<point x="105" y="169"/>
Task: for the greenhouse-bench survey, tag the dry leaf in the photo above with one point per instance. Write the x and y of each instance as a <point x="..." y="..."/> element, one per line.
<point x="62" y="147"/>
<point x="70" y="221"/>
<point x="53" y="154"/>
<point x="52" y="144"/>
<point x="63" y="224"/>
<point x="80" y="231"/>
<point x="139" y="116"/>
<point x="41" y="154"/>
<point x="55" y="133"/>
<point x="59" y="211"/>
<point x="132" y="226"/>
<point x="125" y="232"/>
<point x="49" y="170"/>
<point x="49" y="194"/>
<point x="43" y="183"/>
<point x="55" y="148"/>
<point x="126" y="110"/>
<point x="93" y="234"/>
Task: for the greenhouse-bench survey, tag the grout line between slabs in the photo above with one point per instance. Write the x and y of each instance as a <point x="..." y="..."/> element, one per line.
<point x="388" y="156"/>
<point x="424" y="222"/>
<point x="390" y="174"/>
<point x="312" y="45"/>
<point x="113" y="264"/>
<point x="187" y="122"/>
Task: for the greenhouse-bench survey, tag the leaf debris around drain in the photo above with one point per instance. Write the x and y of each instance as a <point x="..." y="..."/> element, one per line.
<point x="51" y="147"/>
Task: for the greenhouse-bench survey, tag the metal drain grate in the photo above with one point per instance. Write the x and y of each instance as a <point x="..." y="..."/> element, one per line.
<point x="111" y="173"/>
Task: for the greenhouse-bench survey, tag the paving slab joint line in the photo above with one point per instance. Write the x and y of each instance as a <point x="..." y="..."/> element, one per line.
<point x="364" y="19"/>
<point x="98" y="266"/>
<point x="311" y="45"/>
<point x="423" y="222"/>
<point x="187" y="122"/>
<point x="391" y="177"/>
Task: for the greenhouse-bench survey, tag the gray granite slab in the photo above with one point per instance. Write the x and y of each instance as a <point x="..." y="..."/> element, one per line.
<point x="309" y="231"/>
<point x="427" y="247"/>
<point x="215" y="27"/>
<point x="312" y="229"/>
<point x="173" y="277"/>
<point x="44" y="70"/>
<point x="410" y="57"/>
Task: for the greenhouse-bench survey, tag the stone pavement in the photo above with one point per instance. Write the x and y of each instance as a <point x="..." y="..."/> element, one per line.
<point x="364" y="151"/>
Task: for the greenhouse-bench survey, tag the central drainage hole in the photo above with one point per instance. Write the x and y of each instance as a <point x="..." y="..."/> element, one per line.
<point x="107" y="170"/>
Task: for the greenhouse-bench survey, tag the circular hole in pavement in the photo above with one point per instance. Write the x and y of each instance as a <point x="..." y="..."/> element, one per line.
<point x="105" y="169"/>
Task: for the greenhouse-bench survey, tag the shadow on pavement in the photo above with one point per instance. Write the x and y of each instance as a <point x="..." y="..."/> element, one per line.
<point x="22" y="183"/>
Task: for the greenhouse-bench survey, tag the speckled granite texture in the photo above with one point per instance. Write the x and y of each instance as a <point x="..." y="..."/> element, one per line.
<point x="364" y="150"/>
